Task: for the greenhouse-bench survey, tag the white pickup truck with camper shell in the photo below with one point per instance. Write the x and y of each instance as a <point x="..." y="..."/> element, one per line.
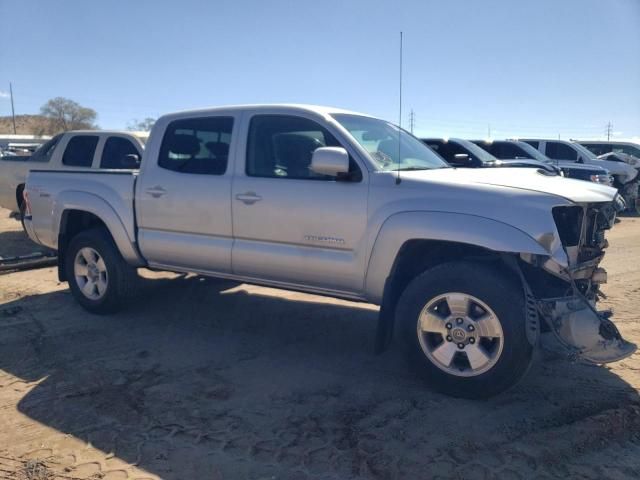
<point x="73" y="150"/>
<point x="468" y="265"/>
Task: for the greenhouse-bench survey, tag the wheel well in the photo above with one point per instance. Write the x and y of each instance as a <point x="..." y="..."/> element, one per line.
<point x="71" y="224"/>
<point x="415" y="257"/>
<point x="19" y="191"/>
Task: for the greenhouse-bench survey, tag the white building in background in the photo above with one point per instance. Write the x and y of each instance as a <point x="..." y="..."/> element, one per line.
<point x="21" y="141"/>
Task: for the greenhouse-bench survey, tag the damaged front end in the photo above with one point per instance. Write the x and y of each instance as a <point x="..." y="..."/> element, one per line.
<point x="566" y="299"/>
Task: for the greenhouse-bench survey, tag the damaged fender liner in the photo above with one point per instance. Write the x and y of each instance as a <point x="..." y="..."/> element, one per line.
<point x="584" y="332"/>
<point x="588" y="334"/>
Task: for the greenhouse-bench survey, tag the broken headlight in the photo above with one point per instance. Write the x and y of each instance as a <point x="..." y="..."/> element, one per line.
<point x="569" y="224"/>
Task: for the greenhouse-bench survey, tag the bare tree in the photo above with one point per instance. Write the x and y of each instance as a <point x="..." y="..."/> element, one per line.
<point x="141" y="125"/>
<point x="64" y="114"/>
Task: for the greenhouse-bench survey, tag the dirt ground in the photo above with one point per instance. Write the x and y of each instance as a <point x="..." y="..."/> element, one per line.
<point x="203" y="379"/>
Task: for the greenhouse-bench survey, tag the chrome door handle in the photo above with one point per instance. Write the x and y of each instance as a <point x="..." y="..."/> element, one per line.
<point x="248" y="198"/>
<point x="156" y="192"/>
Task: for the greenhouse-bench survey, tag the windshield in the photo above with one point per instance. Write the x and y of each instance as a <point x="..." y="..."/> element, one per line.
<point x="535" y="154"/>
<point x="380" y="140"/>
<point x="584" y="151"/>
<point x="480" y="153"/>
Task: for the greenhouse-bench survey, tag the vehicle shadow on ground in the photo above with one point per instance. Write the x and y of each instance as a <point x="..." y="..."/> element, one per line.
<point x="207" y="379"/>
<point x="15" y="243"/>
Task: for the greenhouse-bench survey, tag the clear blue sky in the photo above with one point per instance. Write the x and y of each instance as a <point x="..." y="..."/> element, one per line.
<point x="525" y="67"/>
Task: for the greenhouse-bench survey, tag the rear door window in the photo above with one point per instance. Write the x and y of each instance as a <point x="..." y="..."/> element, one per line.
<point x="197" y="145"/>
<point x="118" y="154"/>
<point x="80" y="150"/>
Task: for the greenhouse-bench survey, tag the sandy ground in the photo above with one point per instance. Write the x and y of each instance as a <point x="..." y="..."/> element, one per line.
<point x="211" y="380"/>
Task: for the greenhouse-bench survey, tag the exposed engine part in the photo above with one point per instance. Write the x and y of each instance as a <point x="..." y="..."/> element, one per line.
<point x="589" y="335"/>
<point x="567" y="304"/>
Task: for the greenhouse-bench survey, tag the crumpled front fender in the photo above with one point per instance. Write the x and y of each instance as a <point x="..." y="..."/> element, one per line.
<point x="453" y="227"/>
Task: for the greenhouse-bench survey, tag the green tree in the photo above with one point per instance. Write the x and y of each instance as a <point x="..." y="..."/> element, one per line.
<point x="141" y="125"/>
<point x="64" y="115"/>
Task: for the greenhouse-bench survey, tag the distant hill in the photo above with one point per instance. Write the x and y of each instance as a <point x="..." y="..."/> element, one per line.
<point x="26" y="125"/>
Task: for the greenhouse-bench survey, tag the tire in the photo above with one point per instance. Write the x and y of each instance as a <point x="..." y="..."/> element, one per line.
<point x="119" y="279"/>
<point x="495" y="319"/>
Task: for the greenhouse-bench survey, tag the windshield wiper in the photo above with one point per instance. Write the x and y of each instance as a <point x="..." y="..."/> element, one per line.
<point x="409" y="169"/>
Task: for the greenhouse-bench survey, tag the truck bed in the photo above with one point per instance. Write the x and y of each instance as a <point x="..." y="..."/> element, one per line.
<point x="51" y="190"/>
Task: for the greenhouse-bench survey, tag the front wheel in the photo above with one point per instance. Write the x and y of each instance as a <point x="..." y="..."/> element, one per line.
<point x="99" y="278"/>
<point x="463" y="326"/>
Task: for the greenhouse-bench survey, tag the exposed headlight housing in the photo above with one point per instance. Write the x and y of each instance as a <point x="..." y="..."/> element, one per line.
<point x="602" y="179"/>
<point x="568" y="221"/>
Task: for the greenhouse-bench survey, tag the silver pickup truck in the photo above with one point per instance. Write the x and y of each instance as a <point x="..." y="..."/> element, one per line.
<point x="468" y="265"/>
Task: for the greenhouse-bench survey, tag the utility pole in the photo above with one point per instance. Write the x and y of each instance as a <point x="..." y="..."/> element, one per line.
<point x="488" y="131"/>
<point x="13" y="112"/>
<point x="609" y="130"/>
<point x="412" y="120"/>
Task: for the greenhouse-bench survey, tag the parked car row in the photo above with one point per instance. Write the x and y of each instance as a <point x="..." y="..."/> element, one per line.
<point x="469" y="265"/>
<point x="570" y="158"/>
<point x="510" y="153"/>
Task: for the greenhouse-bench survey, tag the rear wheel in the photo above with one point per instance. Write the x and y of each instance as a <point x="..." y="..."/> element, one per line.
<point x="463" y="326"/>
<point x="99" y="278"/>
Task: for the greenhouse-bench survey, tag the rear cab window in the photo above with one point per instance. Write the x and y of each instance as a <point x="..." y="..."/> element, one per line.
<point x="80" y="150"/>
<point x="120" y="153"/>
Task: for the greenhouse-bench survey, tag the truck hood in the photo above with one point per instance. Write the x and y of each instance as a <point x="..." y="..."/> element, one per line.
<point x="524" y="179"/>
<point x="522" y="163"/>
<point x="583" y="167"/>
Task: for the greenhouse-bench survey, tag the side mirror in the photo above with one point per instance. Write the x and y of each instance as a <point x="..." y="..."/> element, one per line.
<point x="461" y="159"/>
<point x="332" y="161"/>
<point x="132" y="160"/>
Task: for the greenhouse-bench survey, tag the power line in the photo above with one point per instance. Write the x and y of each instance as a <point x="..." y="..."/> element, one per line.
<point x="400" y="114"/>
